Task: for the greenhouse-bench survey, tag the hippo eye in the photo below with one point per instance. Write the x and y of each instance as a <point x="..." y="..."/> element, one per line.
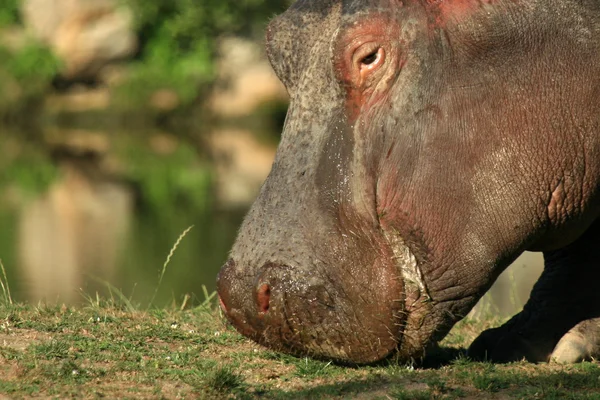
<point x="370" y="58"/>
<point x="359" y="60"/>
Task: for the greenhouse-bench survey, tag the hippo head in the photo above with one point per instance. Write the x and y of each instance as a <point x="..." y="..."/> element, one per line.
<point x="400" y="188"/>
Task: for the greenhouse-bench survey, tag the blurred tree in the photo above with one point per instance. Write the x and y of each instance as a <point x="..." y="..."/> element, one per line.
<point x="179" y="41"/>
<point x="26" y="71"/>
<point x="178" y="48"/>
<point x="9" y="13"/>
<point x="185" y="22"/>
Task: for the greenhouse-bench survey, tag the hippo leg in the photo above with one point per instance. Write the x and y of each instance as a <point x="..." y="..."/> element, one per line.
<point x="564" y="296"/>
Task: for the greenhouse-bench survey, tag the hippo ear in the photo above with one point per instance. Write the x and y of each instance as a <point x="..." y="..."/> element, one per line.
<point x="278" y="51"/>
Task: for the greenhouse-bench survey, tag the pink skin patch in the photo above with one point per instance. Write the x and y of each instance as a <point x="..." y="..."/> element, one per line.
<point x="454" y="10"/>
<point x="222" y="304"/>
<point x="263" y="298"/>
<point x="369" y="57"/>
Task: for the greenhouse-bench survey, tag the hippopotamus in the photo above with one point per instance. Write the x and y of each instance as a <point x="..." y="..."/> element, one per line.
<point x="427" y="144"/>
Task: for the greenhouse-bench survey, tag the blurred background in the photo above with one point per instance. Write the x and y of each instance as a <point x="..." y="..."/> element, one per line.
<point x="122" y="123"/>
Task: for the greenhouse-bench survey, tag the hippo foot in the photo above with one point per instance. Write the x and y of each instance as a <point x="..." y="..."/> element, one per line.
<point x="507" y="344"/>
<point x="581" y="343"/>
<point x="555" y="323"/>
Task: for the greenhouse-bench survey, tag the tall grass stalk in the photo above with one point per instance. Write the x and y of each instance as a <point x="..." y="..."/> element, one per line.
<point x="116" y="297"/>
<point x="124" y="300"/>
<point x="208" y="298"/>
<point x="4" y="285"/>
<point x="167" y="261"/>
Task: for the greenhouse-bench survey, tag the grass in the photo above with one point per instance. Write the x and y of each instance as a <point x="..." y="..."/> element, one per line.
<point x="107" y="350"/>
<point x="113" y="349"/>
<point x="166" y="264"/>
<point x="5" y="296"/>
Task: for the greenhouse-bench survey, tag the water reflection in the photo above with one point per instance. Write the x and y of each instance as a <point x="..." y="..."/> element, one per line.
<point x="115" y="206"/>
<point x="76" y="229"/>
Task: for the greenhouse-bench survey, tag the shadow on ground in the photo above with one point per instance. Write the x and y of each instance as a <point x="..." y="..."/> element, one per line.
<point x="440" y="356"/>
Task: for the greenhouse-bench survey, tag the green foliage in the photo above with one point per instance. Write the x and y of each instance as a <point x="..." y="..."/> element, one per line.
<point x="165" y="68"/>
<point x="25" y="75"/>
<point x="26" y="167"/>
<point x="437" y="384"/>
<point x="489" y="383"/>
<point x="68" y="370"/>
<point x="179" y="43"/>
<point x="171" y="180"/>
<point x="33" y="64"/>
<point x="185" y="22"/>
<point x="9" y="12"/>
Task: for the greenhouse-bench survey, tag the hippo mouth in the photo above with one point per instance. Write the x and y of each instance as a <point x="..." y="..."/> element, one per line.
<point x="316" y="315"/>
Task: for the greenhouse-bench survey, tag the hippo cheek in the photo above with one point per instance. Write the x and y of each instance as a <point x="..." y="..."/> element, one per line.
<point x="314" y="314"/>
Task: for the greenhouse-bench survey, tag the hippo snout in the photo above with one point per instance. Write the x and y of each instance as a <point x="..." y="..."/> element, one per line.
<point x="251" y="295"/>
<point x="306" y="312"/>
<point x="257" y="304"/>
<point x="225" y="281"/>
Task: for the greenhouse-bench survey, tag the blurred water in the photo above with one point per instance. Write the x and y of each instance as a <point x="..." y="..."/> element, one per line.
<point x="90" y="212"/>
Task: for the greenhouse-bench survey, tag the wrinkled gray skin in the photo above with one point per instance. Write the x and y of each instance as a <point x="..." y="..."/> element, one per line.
<point x="427" y="144"/>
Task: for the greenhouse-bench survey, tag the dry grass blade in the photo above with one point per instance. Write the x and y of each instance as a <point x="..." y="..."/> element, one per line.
<point x="167" y="261"/>
<point x="4" y="285"/>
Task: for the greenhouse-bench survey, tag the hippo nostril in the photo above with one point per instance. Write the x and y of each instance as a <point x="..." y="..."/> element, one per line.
<point x="263" y="297"/>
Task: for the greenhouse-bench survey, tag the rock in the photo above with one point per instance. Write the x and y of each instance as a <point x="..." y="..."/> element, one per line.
<point x="85" y="34"/>
<point x="79" y="99"/>
<point x="164" y="100"/>
<point x="245" y="79"/>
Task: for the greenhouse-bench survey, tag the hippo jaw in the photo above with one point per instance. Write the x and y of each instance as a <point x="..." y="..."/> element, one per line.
<point x="324" y="314"/>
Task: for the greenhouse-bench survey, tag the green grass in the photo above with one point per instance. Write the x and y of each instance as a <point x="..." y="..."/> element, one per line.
<point x="112" y="348"/>
<point x="107" y="350"/>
